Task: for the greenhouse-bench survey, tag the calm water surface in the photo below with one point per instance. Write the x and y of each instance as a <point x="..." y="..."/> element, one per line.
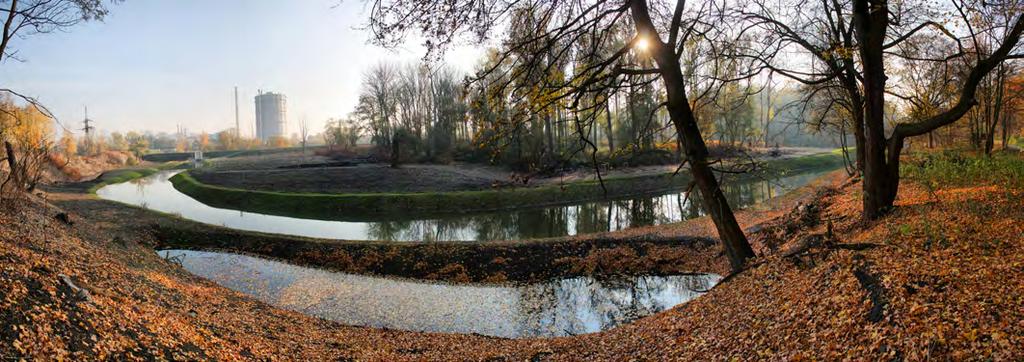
<point x="556" y="308"/>
<point x="156" y="192"/>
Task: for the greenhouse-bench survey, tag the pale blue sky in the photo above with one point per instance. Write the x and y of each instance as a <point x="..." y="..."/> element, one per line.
<point x="154" y="64"/>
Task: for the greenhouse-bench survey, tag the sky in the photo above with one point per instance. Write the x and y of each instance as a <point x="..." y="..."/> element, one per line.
<point x="152" y="65"/>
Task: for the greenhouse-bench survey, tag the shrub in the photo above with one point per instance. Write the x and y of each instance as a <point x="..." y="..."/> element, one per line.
<point x="957" y="168"/>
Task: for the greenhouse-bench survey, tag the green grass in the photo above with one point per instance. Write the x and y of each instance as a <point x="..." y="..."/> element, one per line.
<point x="128" y="174"/>
<point x="380" y="206"/>
<point x="828" y="160"/>
<point x="959" y="168"/>
<point x="119" y="176"/>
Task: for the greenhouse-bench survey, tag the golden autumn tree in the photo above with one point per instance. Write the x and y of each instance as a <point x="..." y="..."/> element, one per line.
<point x="278" y="142"/>
<point x="181" y="145"/>
<point x="69" y="145"/>
<point x="27" y="137"/>
<point x="204" y="141"/>
<point x="228" y="140"/>
<point x="1014" y="109"/>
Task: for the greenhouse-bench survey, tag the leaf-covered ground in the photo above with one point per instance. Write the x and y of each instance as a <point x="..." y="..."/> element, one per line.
<point x="940" y="278"/>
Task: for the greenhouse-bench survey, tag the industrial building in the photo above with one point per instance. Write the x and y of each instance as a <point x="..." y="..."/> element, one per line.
<point x="271" y="115"/>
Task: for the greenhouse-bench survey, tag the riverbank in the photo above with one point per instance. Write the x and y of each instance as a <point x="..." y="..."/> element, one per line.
<point x="369" y="206"/>
<point x="660" y="250"/>
<point x="936" y="279"/>
<point x="111" y="177"/>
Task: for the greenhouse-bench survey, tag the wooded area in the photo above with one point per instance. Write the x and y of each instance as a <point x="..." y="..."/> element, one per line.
<point x="565" y="56"/>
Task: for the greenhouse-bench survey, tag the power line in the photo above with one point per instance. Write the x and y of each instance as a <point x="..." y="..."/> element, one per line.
<point x="238" y="127"/>
<point x="88" y="128"/>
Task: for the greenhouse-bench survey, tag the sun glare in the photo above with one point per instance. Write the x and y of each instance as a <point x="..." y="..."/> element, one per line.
<point x="641" y="44"/>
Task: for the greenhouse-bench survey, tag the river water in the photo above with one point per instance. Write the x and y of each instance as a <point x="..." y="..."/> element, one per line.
<point x="556" y="308"/>
<point x="155" y="192"/>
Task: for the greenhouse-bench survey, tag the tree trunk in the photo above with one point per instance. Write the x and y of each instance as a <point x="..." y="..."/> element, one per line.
<point x="996" y="115"/>
<point x="853" y="90"/>
<point x="550" y="137"/>
<point x="634" y="133"/>
<point x="396" y="151"/>
<point x="881" y="179"/>
<point x="715" y="204"/>
<point x="12" y="160"/>
<point x="859" y="138"/>
<point x="12" y="163"/>
<point x="1006" y="130"/>
<point x="611" y="136"/>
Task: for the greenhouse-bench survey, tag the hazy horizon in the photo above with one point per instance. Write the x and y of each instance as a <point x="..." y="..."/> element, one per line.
<point x="150" y="66"/>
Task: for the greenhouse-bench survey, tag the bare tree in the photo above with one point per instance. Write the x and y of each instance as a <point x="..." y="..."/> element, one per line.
<point x="850" y="43"/>
<point x="545" y="36"/>
<point x="304" y="133"/>
<point x="377" y="106"/>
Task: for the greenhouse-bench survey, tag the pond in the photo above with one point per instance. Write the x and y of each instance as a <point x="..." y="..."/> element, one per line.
<point x="156" y="192"/>
<point x="556" y="308"/>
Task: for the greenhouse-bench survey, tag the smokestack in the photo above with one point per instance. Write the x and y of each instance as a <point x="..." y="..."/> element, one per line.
<point x="238" y="127"/>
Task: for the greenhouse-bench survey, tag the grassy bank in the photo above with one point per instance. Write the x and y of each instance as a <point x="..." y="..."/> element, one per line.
<point x="126" y="174"/>
<point x="119" y="176"/>
<point x="373" y="206"/>
<point x="785" y="166"/>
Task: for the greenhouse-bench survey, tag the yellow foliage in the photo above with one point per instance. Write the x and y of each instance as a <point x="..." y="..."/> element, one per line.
<point x="69" y="145"/>
<point x="24" y="126"/>
<point x="278" y="142"/>
<point x="204" y="141"/>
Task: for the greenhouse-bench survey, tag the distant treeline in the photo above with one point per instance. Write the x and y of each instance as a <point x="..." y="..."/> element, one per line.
<point x="183" y="156"/>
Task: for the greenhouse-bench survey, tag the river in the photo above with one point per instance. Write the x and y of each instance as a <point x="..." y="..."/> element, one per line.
<point x="554" y="308"/>
<point x="155" y="192"/>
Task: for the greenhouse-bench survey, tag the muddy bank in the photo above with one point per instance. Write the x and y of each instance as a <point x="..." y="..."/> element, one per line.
<point x="500" y="262"/>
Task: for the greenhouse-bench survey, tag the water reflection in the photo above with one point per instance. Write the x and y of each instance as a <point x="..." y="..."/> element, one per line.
<point x="588" y="217"/>
<point x="157" y="193"/>
<point x="557" y="308"/>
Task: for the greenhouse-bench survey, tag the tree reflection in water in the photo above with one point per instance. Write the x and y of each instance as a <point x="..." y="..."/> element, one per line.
<point x="589" y="217"/>
<point x="157" y="193"/>
<point x="585" y="305"/>
<point x="555" y="308"/>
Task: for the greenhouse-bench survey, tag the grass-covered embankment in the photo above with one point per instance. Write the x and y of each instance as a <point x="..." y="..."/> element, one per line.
<point x="371" y="206"/>
<point x="119" y="176"/>
<point x="785" y="166"/>
<point x="374" y="206"/>
<point x="125" y="175"/>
